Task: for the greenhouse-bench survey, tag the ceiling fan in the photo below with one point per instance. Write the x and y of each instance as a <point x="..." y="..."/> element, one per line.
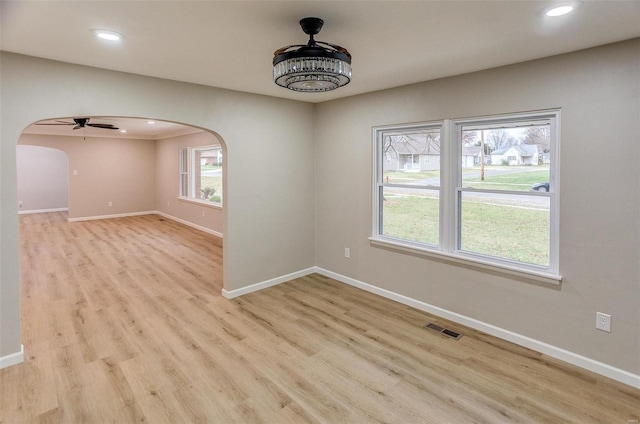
<point x="82" y="123"/>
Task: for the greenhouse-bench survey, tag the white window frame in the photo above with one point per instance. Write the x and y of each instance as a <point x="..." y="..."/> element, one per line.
<point x="379" y="183"/>
<point x="450" y="193"/>
<point x="188" y="166"/>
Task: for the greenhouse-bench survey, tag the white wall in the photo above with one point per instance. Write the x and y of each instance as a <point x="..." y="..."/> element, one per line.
<point x="269" y="230"/>
<point x="43" y="178"/>
<point x="598" y="91"/>
<point x="168" y="183"/>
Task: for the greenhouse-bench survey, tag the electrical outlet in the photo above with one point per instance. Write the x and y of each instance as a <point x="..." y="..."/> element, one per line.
<point x="110" y="204"/>
<point x="347" y="253"/>
<point x="603" y="322"/>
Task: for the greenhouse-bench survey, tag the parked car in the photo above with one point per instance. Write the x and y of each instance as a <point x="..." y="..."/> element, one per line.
<point x="544" y="187"/>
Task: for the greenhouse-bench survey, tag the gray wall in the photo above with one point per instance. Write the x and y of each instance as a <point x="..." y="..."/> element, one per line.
<point x="43" y="178"/>
<point x="269" y="230"/>
<point x="281" y="219"/>
<point x="598" y="91"/>
<point x="103" y="170"/>
<point x="167" y="183"/>
<point x="136" y="176"/>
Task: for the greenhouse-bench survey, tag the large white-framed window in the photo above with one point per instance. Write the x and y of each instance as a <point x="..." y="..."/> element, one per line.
<point x="201" y="174"/>
<point x="489" y="196"/>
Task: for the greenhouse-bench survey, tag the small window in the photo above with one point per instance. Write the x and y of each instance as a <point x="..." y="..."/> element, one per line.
<point x="201" y="173"/>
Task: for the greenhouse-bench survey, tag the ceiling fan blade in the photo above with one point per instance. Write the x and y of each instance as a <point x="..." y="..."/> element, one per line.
<point x="77" y="127"/>
<point x="58" y="123"/>
<point x="103" y="126"/>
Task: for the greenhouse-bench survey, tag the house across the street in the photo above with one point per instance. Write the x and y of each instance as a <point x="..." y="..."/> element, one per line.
<point x="523" y="154"/>
<point x="421" y="152"/>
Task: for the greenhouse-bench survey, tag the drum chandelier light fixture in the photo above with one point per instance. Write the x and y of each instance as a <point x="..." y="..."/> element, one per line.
<point x="313" y="67"/>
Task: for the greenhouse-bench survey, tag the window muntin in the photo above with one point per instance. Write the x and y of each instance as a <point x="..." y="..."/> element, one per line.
<point x="497" y="192"/>
<point x="201" y="173"/>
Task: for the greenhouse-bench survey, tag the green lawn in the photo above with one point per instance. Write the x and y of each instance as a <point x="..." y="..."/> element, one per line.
<point x="399" y="177"/>
<point x="497" y="230"/>
<point x="411" y="218"/>
<point x="520" y="181"/>
<point x="496" y="177"/>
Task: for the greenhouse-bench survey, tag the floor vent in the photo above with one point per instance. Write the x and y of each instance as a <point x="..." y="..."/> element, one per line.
<point x="445" y="331"/>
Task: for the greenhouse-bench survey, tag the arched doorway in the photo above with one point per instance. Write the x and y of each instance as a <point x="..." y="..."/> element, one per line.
<point x="128" y="176"/>
<point x="126" y="166"/>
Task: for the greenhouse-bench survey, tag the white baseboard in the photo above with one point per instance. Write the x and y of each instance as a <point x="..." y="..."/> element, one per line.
<point x="26" y="212"/>
<point x="189" y="224"/>
<point x="12" y="359"/>
<point x="230" y="294"/>
<point x="123" y="215"/>
<point x="120" y="215"/>
<point x="536" y="345"/>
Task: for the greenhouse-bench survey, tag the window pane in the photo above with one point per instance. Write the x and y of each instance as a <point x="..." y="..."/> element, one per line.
<point x="514" y="227"/>
<point x="515" y="158"/>
<point x="411" y="158"/>
<point x="411" y="214"/>
<point x="208" y="174"/>
<point x="184" y="185"/>
<point x="184" y="178"/>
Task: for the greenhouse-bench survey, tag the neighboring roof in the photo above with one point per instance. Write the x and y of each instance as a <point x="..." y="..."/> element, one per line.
<point x="470" y="151"/>
<point x="421" y="144"/>
<point x="523" y="149"/>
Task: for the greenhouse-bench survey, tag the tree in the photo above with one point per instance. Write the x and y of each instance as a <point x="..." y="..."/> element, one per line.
<point x="498" y="138"/>
<point x="538" y="135"/>
<point x="470" y="138"/>
<point x="422" y="143"/>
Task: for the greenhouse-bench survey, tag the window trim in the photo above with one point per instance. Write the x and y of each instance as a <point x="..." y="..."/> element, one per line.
<point x="451" y="188"/>
<point x="206" y="203"/>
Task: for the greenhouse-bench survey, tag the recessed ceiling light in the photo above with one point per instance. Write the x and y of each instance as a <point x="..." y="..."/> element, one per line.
<point x="108" y="35"/>
<point x="151" y="122"/>
<point x="123" y="131"/>
<point x="559" y="10"/>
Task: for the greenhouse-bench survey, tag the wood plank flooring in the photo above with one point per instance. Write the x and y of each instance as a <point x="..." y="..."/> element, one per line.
<point x="123" y="322"/>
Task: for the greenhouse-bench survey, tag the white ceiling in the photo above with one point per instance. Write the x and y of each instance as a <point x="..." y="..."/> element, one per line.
<point x="230" y="44"/>
<point x="135" y="128"/>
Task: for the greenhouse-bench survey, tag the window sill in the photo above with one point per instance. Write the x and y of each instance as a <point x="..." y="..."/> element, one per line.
<point x="530" y="275"/>
<point x="201" y="203"/>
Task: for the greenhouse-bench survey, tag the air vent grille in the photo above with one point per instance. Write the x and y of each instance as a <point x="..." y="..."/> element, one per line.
<point x="442" y="330"/>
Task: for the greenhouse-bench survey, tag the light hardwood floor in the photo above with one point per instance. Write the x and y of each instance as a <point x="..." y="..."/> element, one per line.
<point x="123" y="322"/>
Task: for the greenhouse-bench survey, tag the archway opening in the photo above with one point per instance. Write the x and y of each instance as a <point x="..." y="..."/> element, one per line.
<point x="129" y="234"/>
